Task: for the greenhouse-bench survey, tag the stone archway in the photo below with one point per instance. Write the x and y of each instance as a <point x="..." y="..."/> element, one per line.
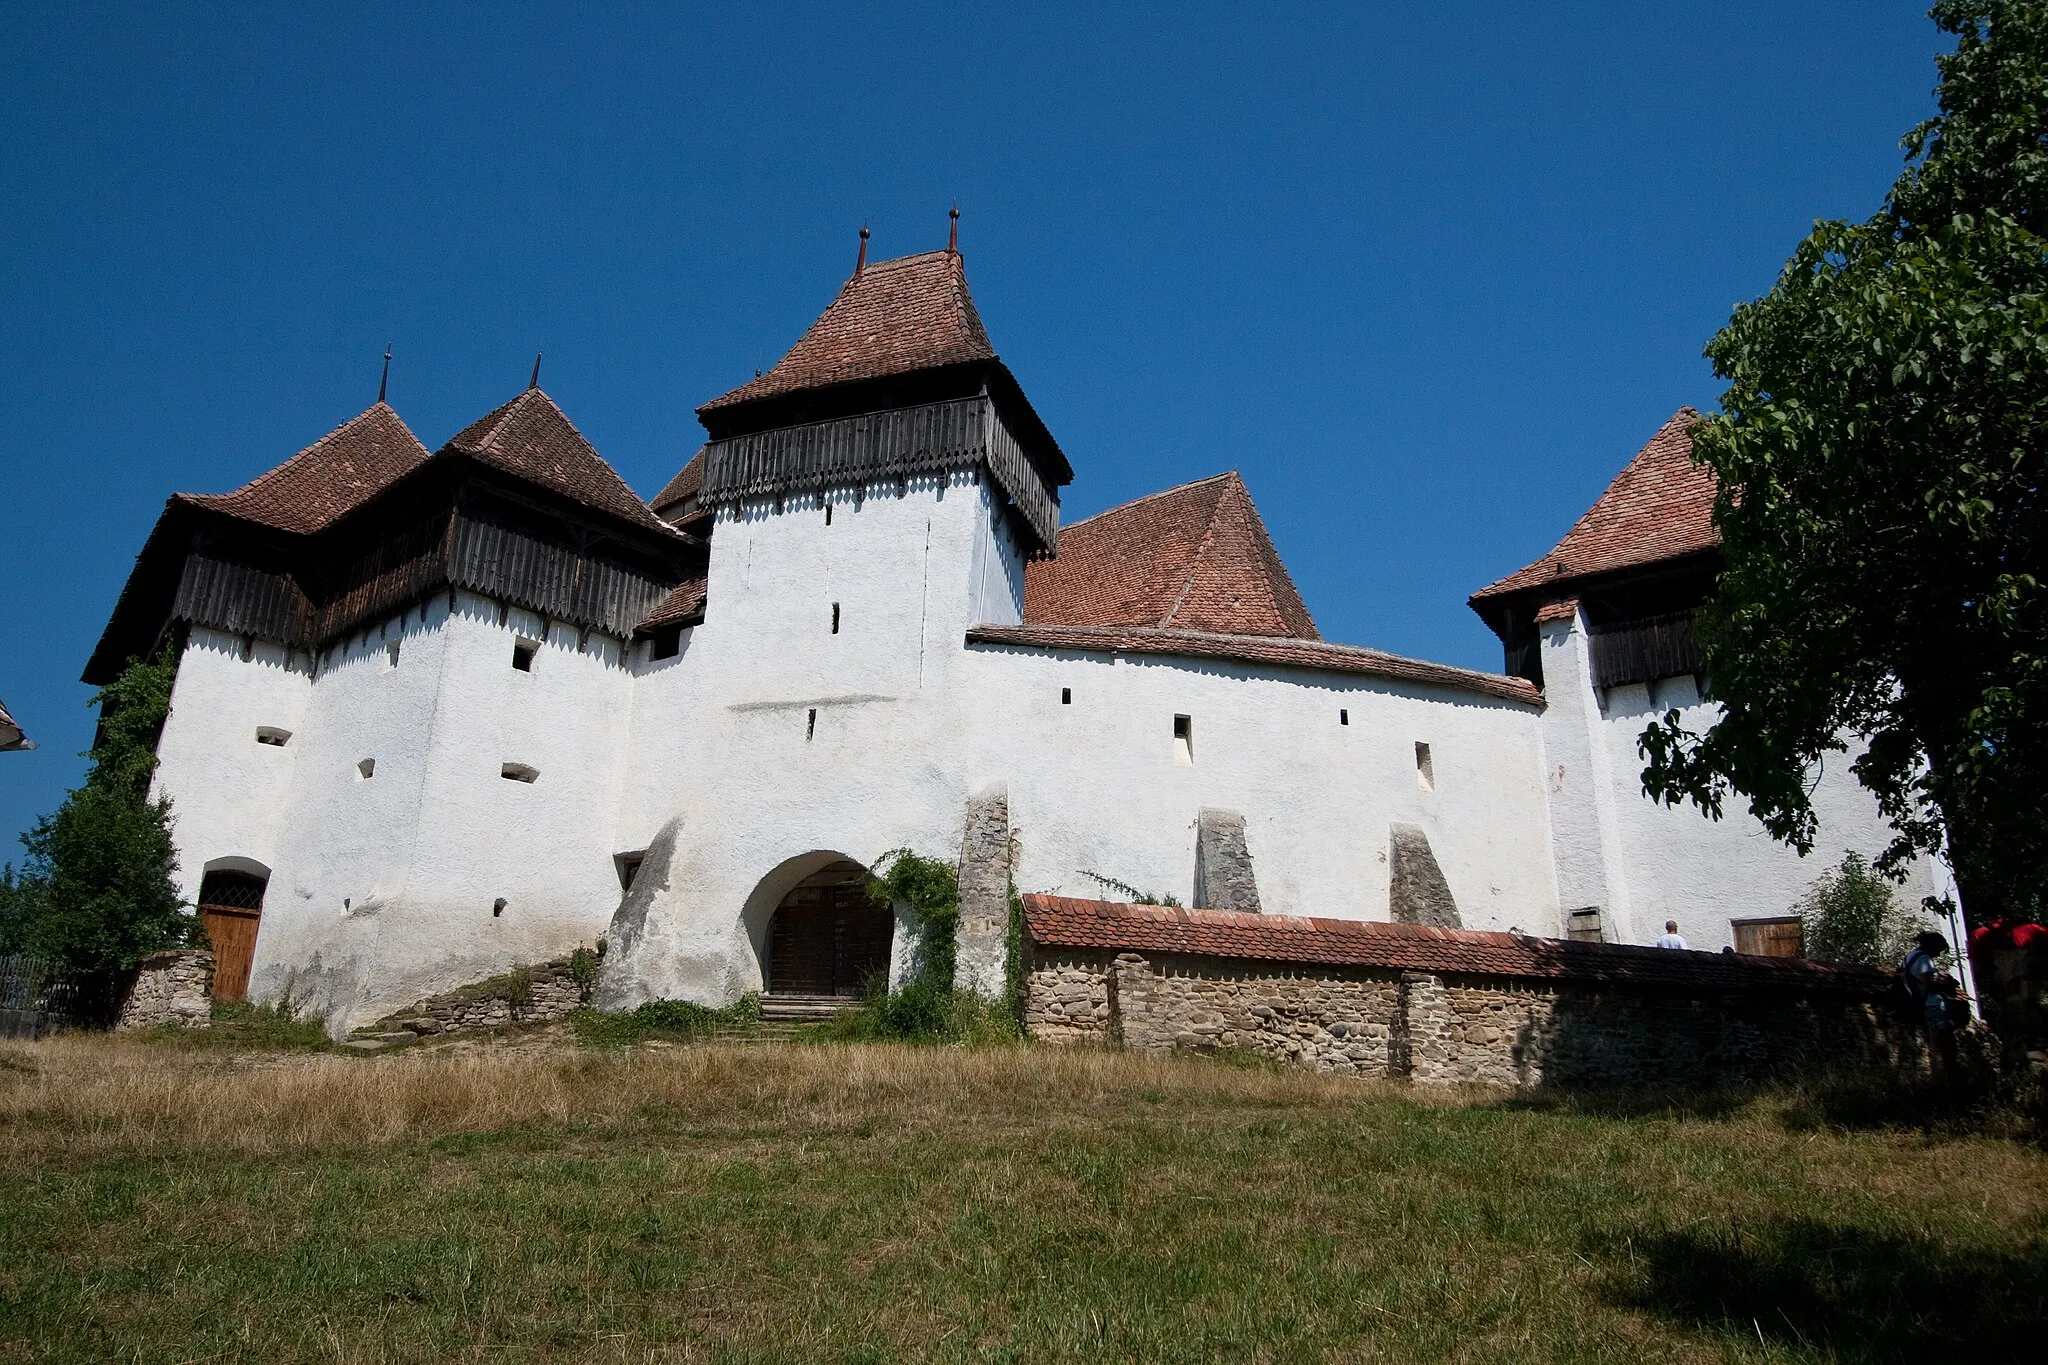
<point x="826" y="937"/>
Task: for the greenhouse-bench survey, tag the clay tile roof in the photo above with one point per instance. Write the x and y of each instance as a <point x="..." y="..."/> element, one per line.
<point x="683" y="488"/>
<point x="1194" y="558"/>
<point x="337" y="473"/>
<point x="1064" y="922"/>
<point x="1278" y="651"/>
<point x="893" y="317"/>
<point x="530" y="437"/>
<point x="684" y="606"/>
<point x="1659" y="507"/>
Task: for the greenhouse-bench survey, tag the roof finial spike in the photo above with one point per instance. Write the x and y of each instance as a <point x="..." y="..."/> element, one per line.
<point x="534" y="382"/>
<point x="384" y="382"/>
<point x="953" y="231"/>
<point x="860" y="262"/>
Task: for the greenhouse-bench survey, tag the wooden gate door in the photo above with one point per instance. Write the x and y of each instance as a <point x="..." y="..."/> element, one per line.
<point x="828" y="940"/>
<point x="1782" y="936"/>
<point x="233" y="935"/>
<point x="230" y="910"/>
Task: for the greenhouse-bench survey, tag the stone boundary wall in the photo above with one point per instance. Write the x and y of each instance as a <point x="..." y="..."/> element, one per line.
<point x="550" y="993"/>
<point x="1446" y="1029"/>
<point x="171" y="987"/>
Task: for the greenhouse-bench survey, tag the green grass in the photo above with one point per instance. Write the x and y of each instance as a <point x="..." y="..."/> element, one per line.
<point x="872" y="1203"/>
<point x="670" y="1020"/>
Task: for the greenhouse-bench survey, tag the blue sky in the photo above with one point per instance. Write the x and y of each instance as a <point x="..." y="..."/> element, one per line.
<point x="1426" y="275"/>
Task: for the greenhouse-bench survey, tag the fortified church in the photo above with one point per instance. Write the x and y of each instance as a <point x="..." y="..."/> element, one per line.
<point x="440" y="713"/>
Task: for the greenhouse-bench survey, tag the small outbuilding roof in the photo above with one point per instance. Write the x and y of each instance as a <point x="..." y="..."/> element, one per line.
<point x="1066" y="922"/>
<point x="892" y="317"/>
<point x="680" y="493"/>
<point x="531" y="438"/>
<point x="683" y="606"/>
<point x="336" y="474"/>
<point x="1660" y="507"/>
<point x="1196" y="557"/>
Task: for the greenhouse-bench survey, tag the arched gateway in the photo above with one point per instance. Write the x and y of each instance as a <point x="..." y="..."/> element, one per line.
<point x="827" y="937"/>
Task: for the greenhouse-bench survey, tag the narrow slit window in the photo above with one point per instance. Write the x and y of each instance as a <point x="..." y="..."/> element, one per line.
<point x="518" y="772"/>
<point x="828" y="514"/>
<point x="1184" y="740"/>
<point x="811" y="725"/>
<point x="523" y="651"/>
<point x="1343" y="717"/>
<point x="391" y="655"/>
<point x="366" y="769"/>
<point x="497" y="907"/>
<point x="835" y="618"/>
<point x="1425" y="770"/>
<point x="270" y="734"/>
<point x="1066" y="696"/>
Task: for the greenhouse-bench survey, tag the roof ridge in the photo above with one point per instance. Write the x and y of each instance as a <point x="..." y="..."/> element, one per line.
<point x="1229" y="479"/>
<point x="1164" y="492"/>
<point x="279" y="468"/>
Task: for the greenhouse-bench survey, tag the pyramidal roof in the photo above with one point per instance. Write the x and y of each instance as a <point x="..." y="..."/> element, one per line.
<point x="1660" y="506"/>
<point x="892" y="317"/>
<point x="531" y="438"/>
<point x="1194" y="558"/>
<point x="336" y="474"/>
<point x="683" y="487"/>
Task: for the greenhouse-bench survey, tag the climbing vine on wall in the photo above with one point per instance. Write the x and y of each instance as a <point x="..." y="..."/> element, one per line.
<point x="932" y="891"/>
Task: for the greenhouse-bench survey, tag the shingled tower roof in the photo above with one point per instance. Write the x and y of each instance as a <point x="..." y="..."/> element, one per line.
<point x="1660" y="507"/>
<point x="336" y="474"/>
<point x="1194" y="558"/>
<point x="530" y="437"/>
<point x="892" y="317"/>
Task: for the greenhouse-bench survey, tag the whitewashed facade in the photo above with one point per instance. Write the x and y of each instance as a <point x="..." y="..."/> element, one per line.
<point x="465" y="783"/>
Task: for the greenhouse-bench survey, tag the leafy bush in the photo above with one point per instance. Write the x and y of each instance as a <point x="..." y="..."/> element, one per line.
<point x="583" y="970"/>
<point x="1851" y="915"/>
<point x="95" y="892"/>
<point x="921" y="1012"/>
<point x="931" y="889"/>
<point x="673" y="1019"/>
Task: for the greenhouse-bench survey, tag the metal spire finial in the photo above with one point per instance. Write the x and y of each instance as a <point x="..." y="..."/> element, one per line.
<point x="534" y="382"/>
<point x="953" y="231"/>
<point x="860" y="262"/>
<point x="386" y="380"/>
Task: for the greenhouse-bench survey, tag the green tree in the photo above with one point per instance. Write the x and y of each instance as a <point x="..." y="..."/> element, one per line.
<point x="95" y="892"/>
<point x="1851" y="915"/>
<point x="1880" y="453"/>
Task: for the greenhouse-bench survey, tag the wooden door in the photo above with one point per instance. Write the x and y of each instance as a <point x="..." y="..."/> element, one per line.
<point x="828" y="940"/>
<point x="232" y="932"/>
<point x="1783" y="936"/>
<point x="800" y="948"/>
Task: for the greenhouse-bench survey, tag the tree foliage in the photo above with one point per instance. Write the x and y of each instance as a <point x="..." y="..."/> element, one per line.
<point x="1851" y="915"/>
<point x="95" y="892"/>
<point x="1880" y="453"/>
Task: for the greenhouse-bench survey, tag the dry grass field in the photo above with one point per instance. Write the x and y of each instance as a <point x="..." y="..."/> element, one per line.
<point x="723" y="1202"/>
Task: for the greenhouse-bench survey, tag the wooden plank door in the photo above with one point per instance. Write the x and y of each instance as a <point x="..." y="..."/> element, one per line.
<point x="1783" y="936"/>
<point x="232" y="931"/>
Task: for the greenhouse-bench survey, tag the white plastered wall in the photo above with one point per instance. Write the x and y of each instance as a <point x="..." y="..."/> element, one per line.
<point x="1662" y="863"/>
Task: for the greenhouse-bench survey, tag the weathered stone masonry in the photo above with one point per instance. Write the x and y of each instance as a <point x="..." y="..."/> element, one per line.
<point x="171" y="987"/>
<point x="1526" y="1012"/>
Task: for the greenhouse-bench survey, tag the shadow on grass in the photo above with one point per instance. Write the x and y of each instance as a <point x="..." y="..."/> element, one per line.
<point x="1845" y="1292"/>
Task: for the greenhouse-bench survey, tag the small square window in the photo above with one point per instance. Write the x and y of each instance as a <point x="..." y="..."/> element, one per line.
<point x="367" y="768"/>
<point x="1583" y="926"/>
<point x="665" y="643"/>
<point x="1184" y="740"/>
<point x="523" y="651"/>
<point x="629" y="867"/>
<point x="1425" y="770"/>
<point x="270" y="734"/>
<point x="518" y="772"/>
<point x="497" y="907"/>
<point x="391" y="655"/>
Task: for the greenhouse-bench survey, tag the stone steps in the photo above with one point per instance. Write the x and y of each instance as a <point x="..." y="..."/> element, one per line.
<point x="804" y="1009"/>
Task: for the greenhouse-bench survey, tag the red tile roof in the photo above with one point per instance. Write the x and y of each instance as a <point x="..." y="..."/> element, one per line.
<point x="1256" y="649"/>
<point x="893" y="317"/>
<point x="531" y="438"/>
<point x="336" y="474"/>
<point x="683" y="606"/>
<point x="1064" y="922"/>
<point x="682" y="489"/>
<point x="1660" y="506"/>
<point x="1195" y="557"/>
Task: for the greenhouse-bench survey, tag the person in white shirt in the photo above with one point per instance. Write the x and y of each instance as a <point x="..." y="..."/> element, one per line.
<point x="1672" y="938"/>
